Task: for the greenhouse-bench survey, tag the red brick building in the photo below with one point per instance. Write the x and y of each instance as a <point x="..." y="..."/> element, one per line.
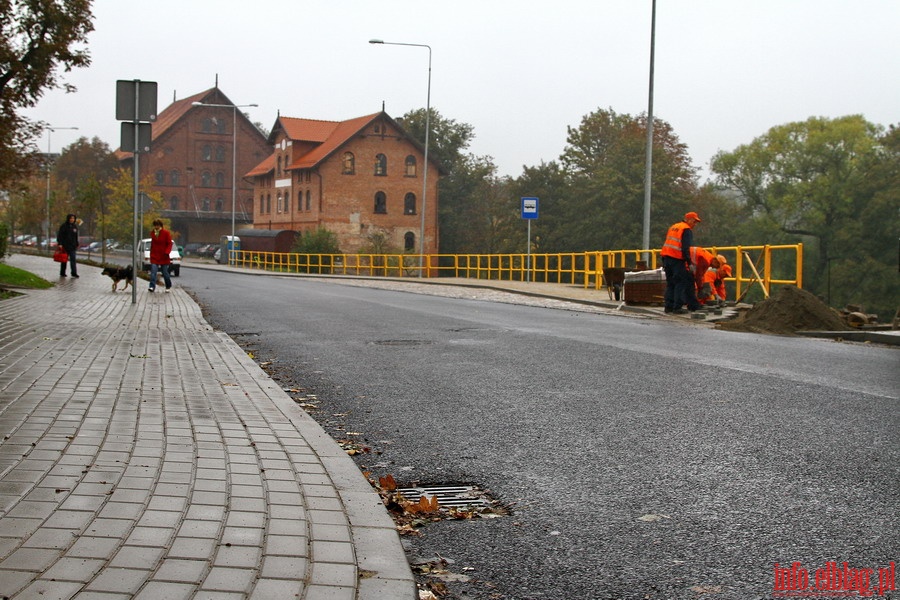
<point x="355" y="178"/>
<point x="190" y="164"/>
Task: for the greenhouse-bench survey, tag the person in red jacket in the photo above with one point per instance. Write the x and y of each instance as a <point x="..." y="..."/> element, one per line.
<point x="160" y="247"/>
<point x="676" y="259"/>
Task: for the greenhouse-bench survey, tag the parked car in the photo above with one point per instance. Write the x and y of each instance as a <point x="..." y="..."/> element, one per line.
<point x="174" y="256"/>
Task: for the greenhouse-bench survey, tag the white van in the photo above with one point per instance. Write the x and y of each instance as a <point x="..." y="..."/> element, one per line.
<point x="174" y="256"/>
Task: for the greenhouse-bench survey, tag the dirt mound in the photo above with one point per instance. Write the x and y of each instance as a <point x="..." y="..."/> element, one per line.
<point x="786" y="312"/>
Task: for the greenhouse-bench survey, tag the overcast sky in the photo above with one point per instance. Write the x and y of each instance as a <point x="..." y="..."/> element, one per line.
<point x="519" y="72"/>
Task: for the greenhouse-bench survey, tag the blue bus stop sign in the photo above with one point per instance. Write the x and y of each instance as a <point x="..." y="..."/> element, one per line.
<point x="529" y="208"/>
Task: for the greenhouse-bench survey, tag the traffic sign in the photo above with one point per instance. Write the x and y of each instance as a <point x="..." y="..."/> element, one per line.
<point x="529" y="207"/>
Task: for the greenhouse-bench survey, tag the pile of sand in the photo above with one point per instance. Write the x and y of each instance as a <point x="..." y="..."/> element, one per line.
<point x="786" y="312"/>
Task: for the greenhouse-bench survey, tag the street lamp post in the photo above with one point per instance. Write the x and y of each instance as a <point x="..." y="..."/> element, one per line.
<point x="233" y="107"/>
<point x="49" y="131"/>
<point x="427" y="132"/>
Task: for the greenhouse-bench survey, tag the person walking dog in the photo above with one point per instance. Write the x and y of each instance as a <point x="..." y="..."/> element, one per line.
<point x="160" y="247"/>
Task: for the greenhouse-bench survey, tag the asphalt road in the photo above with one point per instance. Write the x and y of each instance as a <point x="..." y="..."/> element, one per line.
<point x="643" y="459"/>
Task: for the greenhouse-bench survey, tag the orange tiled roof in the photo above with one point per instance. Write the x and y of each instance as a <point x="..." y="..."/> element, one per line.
<point x="266" y="166"/>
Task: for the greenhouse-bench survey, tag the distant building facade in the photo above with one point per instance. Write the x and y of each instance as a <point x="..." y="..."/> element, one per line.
<point x="190" y="164"/>
<point x="357" y="178"/>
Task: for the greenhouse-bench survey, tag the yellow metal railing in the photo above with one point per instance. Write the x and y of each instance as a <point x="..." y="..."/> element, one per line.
<point x="781" y="264"/>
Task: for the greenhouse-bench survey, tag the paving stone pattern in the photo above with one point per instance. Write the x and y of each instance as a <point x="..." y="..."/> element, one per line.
<point x="144" y="455"/>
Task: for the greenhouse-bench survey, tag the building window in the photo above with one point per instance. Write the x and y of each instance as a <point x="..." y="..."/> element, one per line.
<point x="409" y="204"/>
<point x="262" y="205"/>
<point x="220" y="179"/>
<point x="175" y="177"/>
<point x="173" y="203"/>
<point x="410" y="166"/>
<point x="206" y="204"/>
<point x="279" y="206"/>
<point x="349" y="164"/>
<point x="207" y="125"/>
<point x="278" y="168"/>
<point x="220" y="125"/>
<point x="207" y="152"/>
<point x="380" y="165"/>
<point x="220" y="153"/>
<point x="300" y="201"/>
<point x="409" y="241"/>
<point x="206" y="179"/>
<point x="269" y="203"/>
<point x="220" y="204"/>
<point x="308" y="199"/>
<point x="160" y="177"/>
<point x="380" y="203"/>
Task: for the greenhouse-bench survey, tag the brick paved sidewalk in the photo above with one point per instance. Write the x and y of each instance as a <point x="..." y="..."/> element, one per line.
<point x="144" y="455"/>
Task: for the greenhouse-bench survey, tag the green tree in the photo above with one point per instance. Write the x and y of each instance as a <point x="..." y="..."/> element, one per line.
<point x="604" y="159"/>
<point x="832" y="184"/>
<point x="551" y="185"/>
<point x="468" y="216"/>
<point x="118" y="220"/>
<point x="318" y="241"/>
<point x="85" y="167"/>
<point x="37" y="40"/>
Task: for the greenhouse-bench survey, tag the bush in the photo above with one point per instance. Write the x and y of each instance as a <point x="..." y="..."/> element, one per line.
<point x="4" y="240"/>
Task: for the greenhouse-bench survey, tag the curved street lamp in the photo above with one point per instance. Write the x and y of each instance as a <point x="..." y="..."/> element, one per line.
<point x="233" y="108"/>
<point x="427" y="130"/>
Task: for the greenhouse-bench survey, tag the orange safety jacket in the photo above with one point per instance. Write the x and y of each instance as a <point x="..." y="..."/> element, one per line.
<point x="701" y="257"/>
<point x="673" y="246"/>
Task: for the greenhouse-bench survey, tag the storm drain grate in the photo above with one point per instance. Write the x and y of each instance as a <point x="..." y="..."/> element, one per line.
<point x="449" y="496"/>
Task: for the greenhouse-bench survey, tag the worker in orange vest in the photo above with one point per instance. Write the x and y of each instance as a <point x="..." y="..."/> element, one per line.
<point x="701" y="261"/>
<point x="676" y="258"/>
<point x="713" y="288"/>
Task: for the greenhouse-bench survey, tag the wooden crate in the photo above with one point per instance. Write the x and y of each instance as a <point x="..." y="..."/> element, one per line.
<point x="644" y="292"/>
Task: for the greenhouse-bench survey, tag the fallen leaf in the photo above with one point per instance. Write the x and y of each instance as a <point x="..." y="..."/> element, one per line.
<point x="651" y="518"/>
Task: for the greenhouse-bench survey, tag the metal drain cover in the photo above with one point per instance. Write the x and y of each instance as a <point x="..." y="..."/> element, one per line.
<point x="448" y="496"/>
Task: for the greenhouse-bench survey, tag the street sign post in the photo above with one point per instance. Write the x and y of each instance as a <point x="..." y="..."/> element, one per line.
<point x="135" y="104"/>
<point x="529" y="212"/>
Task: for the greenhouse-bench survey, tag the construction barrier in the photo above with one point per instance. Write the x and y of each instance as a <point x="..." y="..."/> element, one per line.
<point x="751" y="265"/>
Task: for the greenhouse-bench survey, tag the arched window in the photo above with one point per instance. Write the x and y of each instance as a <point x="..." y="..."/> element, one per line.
<point x="220" y="204"/>
<point x="308" y="200"/>
<point x="278" y="168"/>
<point x="206" y="179"/>
<point x="207" y="152"/>
<point x="380" y="165"/>
<point x="173" y="203"/>
<point x="220" y="153"/>
<point x="300" y="201"/>
<point x="262" y="204"/>
<point x="206" y="204"/>
<point x="278" y="206"/>
<point x="220" y="179"/>
<point x="409" y="204"/>
<point x="380" y="203"/>
<point x="175" y="177"/>
<point x="410" y="166"/>
<point x="409" y="241"/>
<point x="160" y="177"/>
<point x="349" y="164"/>
<point x="269" y="203"/>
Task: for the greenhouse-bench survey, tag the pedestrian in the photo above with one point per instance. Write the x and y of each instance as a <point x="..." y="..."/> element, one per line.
<point x="160" y="247"/>
<point x="67" y="239"/>
<point x="676" y="256"/>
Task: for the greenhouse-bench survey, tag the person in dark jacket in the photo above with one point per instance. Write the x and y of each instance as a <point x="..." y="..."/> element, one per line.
<point x="67" y="239"/>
